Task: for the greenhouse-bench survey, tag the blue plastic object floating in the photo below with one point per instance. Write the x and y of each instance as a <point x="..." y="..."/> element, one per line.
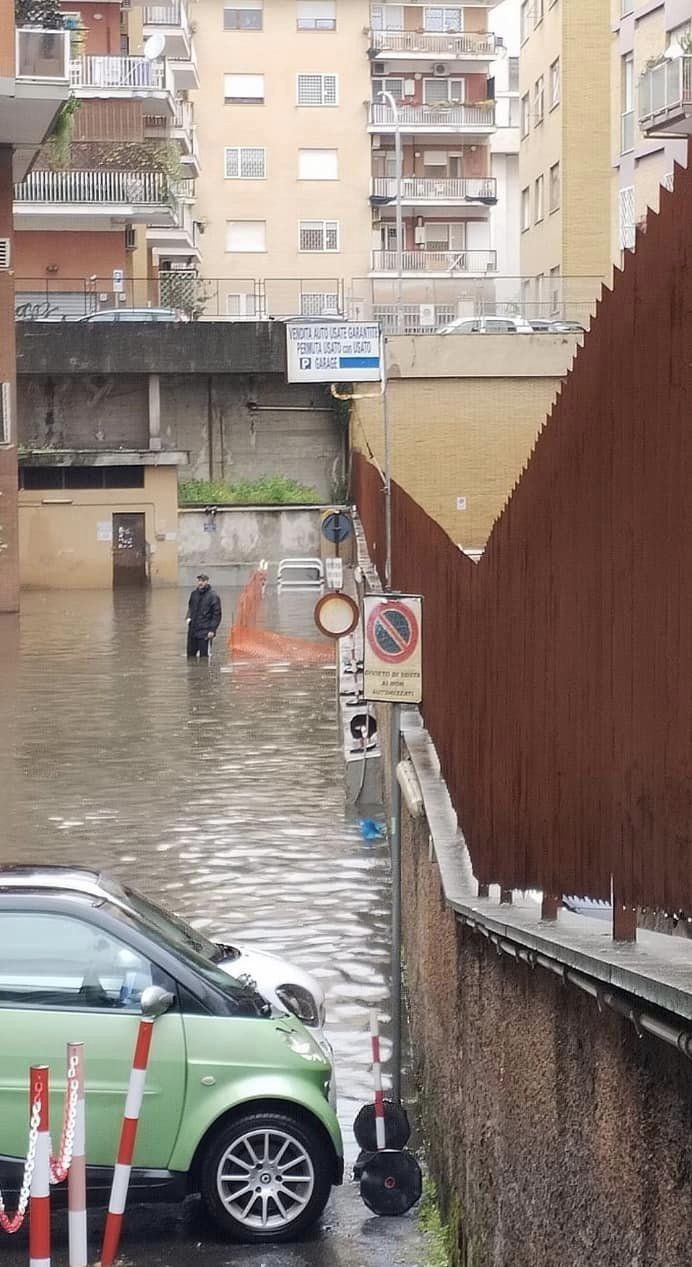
<point x="370" y="830"/>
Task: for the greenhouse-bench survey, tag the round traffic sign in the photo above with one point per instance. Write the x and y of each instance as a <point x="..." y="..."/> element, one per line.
<point x="392" y="631"/>
<point x="391" y="1182"/>
<point x="337" y="526"/>
<point x="336" y="614"/>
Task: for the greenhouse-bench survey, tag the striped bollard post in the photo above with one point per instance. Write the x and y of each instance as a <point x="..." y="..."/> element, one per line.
<point x="128" y="1136"/>
<point x="76" y="1183"/>
<point x="380" y="1136"/>
<point x="39" y="1203"/>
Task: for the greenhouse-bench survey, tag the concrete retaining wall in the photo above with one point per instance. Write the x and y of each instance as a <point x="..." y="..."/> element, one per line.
<point x="245" y="535"/>
<point x="558" y="1138"/>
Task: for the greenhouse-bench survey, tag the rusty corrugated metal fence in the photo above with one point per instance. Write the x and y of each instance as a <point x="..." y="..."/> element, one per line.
<point x="558" y="671"/>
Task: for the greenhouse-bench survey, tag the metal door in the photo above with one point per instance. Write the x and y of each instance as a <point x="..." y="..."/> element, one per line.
<point x="129" y="551"/>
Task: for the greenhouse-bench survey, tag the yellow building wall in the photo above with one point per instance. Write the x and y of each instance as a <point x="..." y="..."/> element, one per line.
<point x="59" y="546"/>
<point x="586" y="157"/>
<point x="454" y="438"/>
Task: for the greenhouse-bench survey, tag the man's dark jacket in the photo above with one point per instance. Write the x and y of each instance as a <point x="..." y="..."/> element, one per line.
<point x="204" y="612"/>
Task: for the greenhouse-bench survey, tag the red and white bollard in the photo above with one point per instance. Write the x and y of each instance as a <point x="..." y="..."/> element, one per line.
<point x="380" y="1136"/>
<point x="123" y="1166"/>
<point x="39" y="1203"/>
<point x="76" y="1183"/>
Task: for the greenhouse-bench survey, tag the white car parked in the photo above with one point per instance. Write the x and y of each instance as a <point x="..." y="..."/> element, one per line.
<point x="488" y="325"/>
<point x="283" y="984"/>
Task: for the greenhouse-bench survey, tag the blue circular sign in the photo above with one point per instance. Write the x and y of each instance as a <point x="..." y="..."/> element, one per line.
<point x="337" y="526"/>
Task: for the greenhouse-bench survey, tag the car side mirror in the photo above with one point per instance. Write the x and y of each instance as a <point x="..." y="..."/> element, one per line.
<point x="155" y="1001"/>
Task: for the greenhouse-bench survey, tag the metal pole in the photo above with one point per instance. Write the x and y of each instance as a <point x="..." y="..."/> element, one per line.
<point x="395" y="846"/>
<point x="387" y="470"/>
<point x="387" y="96"/>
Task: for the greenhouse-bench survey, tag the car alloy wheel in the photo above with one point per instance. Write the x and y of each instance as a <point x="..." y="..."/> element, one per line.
<point x="266" y="1177"/>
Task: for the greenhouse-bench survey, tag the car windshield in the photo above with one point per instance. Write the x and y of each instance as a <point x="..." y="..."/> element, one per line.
<point x="173" y="933"/>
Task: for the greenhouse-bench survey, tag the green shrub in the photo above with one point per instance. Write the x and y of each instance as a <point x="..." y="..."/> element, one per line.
<point x="268" y="490"/>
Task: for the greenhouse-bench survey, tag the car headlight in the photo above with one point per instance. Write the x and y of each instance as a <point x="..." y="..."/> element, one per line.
<point x="303" y="1045"/>
<point x="300" y="1002"/>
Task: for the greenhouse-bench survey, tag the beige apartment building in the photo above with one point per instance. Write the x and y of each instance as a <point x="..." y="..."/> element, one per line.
<point x="565" y="154"/>
<point x="297" y="192"/>
<point x="651" y="106"/>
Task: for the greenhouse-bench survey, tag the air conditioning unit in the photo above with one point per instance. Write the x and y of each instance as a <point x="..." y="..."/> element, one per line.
<point x="439" y="68"/>
<point x="4" y="252"/>
<point x="379" y="68"/>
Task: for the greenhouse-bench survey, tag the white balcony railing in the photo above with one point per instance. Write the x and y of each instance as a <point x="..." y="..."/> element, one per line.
<point x="171" y="15"/>
<point x="432" y="118"/>
<point x="94" y="187"/>
<point x="664" y="89"/>
<point x="436" y="44"/>
<point x="134" y="73"/>
<point x="425" y="261"/>
<point x="444" y="189"/>
<point x="43" y="55"/>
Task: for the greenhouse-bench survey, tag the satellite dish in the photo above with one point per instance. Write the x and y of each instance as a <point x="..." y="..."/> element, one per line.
<point x="673" y="51"/>
<point x="154" y="46"/>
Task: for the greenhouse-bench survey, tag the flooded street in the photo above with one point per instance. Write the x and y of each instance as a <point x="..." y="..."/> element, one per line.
<point x="219" y="791"/>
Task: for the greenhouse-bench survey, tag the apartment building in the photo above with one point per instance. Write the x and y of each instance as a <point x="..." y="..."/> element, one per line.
<point x="298" y="110"/>
<point x="112" y="197"/>
<point x="34" y="84"/>
<point x="651" y="107"/>
<point x="565" y="154"/>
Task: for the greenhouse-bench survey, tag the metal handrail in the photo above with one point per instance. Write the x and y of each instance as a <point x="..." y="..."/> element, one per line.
<point x="430" y="188"/>
<point x="93" y="187"/>
<point x="434" y="117"/>
<point x="116" y="72"/>
<point x="444" y="44"/>
<point x="426" y="261"/>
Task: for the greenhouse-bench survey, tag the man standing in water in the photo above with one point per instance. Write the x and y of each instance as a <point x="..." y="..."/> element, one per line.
<point x="203" y="618"/>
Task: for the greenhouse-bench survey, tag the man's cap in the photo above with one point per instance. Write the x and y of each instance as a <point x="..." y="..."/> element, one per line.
<point x="202" y="576"/>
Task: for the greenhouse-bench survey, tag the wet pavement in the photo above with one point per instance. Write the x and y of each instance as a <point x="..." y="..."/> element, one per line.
<point x="218" y="790"/>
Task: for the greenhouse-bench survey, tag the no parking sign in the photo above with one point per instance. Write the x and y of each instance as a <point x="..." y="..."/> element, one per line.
<point x="393" y="663"/>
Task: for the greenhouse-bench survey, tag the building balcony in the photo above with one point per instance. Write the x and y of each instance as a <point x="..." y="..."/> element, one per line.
<point x="86" y="200"/>
<point x="422" y="191"/>
<point x="434" y="263"/>
<point x="121" y="78"/>
<point x="171" y="21"/>
<point x="665" y="98"/>
<point x="41" y="85"/>
<point x="470" y="120"/>
<point x="468" y="46"/>
<point x="180" y="130"/>
<point x="177" y="242"/>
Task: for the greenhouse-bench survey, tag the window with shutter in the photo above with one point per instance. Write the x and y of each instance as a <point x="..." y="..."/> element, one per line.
<point x="243" y="89"/>
<point x="318" y="165"/>
<point x="316" y="15"/>
<point x="246" y="235"/>
<point x="243" y="15"/>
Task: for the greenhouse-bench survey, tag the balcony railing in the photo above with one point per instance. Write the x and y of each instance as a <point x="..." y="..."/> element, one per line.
<point x="425" y="261"/>
<point x="95" y="187"/>
<point x="166" y="15"/>
<point x="431" y="118"/>
<point x="134" y="73"/>
<point x="664" y="89"/>
<point x="437" y="44"/>
<point x="43" y="54"/>
<point x="444" y="189"/>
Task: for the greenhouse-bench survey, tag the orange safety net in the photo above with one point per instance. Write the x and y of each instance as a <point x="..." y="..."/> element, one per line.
<point x="247" y="642"/>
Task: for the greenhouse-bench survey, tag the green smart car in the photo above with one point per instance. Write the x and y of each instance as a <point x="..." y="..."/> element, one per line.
<point x="236" y="1105"/>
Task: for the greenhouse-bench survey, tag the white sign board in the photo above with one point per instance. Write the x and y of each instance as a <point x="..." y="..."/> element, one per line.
<point x="393" y="661"/>
<point x="334" y="573"/>
<point x="104" y="530"/>
<point x="332" y="351"/>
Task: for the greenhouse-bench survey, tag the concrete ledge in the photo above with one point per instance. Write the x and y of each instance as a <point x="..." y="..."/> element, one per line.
<point x="103" y="457"/>
<point x="657" y="968"/>
<point x="204" y="347"/>
<point x="481" y="355"/>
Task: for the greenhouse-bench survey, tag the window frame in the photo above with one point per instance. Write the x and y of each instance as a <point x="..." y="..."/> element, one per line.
<point x="539" y="199"/>
<point x="525" y="122"/>
<point x="555" y="83"/>
<point x="312" y="150"/>
<point x="552" y="184"/>
<point x="539" y="101"/>
<point x="525" y="204"/>
<point x="240" y="150"/>
<point x="324" y="249"/>
<point x="244" y="100"/>
<point x="313" y="22"/>
<point x="322" y="76"/>
<point x="256" y="7"/>
<point x="235" y="250"/>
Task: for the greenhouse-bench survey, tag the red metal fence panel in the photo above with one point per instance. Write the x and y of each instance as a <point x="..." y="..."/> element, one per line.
<point x="558" y="670"/>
